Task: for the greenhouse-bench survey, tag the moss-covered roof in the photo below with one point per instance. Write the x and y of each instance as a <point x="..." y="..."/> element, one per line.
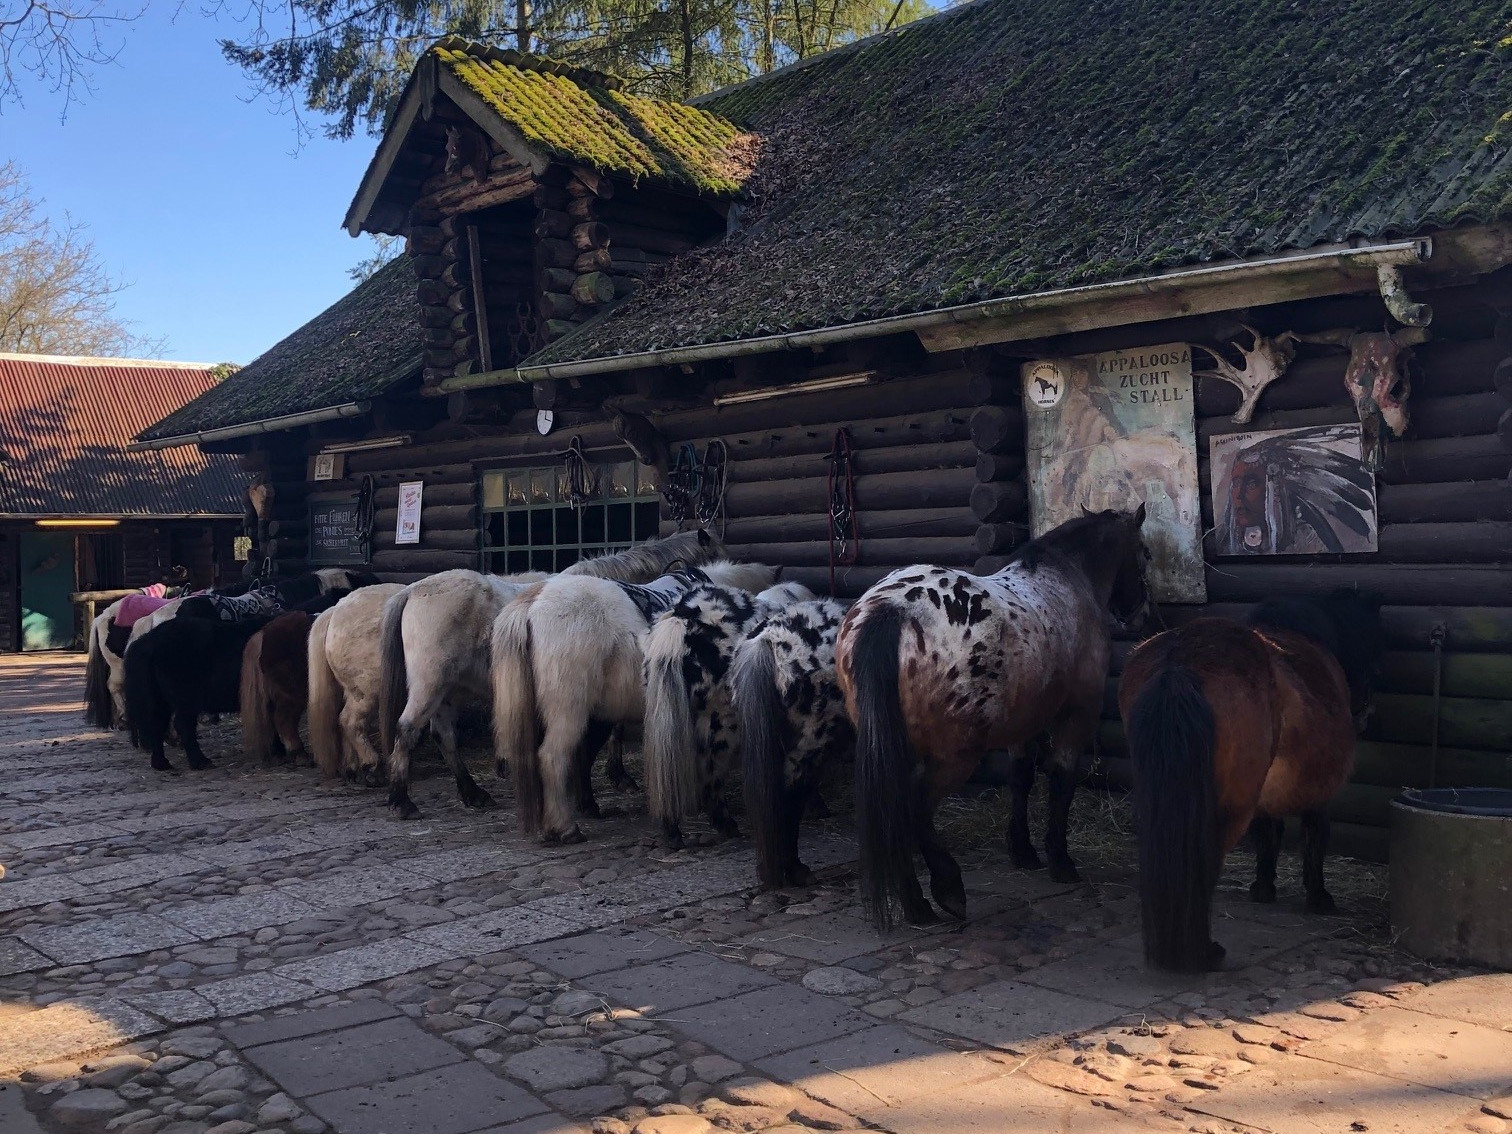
<point x="1013" y="146"/>
<point x="580" y="117"/>
<point x="363" y="344"/>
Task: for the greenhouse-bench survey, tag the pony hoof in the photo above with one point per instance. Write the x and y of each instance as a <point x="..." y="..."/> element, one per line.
<point x="1322" y="903"/>
<point x="800" y="875"/>
<point x="164" y="766"/>
<point x="574" y="836"/>
<point x="922" y="915"/>
<point x="201" y="765"/>
<point x="625" y="782"/>
<point x="1064" y="872"/>
<point x="953" y="905"/>
<point x="1216" y="953"/>
<point x="404" y="808"/>
<point x="478" y="800"/>
<point x="591" y="810"/>
<point x="1262" y="892"/>
<point x="1026" y="859"/>
<point x="501" y="769"/>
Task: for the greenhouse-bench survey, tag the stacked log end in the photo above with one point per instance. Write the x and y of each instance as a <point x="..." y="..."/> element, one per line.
<point x="438" y="254"/>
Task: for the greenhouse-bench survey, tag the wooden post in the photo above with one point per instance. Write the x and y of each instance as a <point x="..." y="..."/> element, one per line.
<point x="480" y="307"/>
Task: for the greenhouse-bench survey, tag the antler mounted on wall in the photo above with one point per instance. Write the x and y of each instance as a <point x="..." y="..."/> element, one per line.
<point x="1264" y="362"/>
<point x="1377" y="380"/>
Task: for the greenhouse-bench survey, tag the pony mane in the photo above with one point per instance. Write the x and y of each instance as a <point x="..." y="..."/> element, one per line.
<point x="753" y="577"/>
<point x="654" y="557"/>
<point x="1064" y="539"/>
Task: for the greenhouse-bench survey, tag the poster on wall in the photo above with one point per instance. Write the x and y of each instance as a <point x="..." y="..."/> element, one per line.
<point x="1293" y="492"/>
<point x="1113" y="430"/>
<point x="407" y="530"/>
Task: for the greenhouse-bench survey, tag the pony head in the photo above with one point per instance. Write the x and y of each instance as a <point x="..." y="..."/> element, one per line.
<point x="751" y="577"/>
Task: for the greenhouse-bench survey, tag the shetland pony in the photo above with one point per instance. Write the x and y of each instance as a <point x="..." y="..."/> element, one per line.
<point x="792" y="725"/>
<point x="689" y="737"/>
<point x="343" y="666"/>
<point x="104" y="697"/>
<point x="568" y="656"/>
<point x="1234" y="726"/>
<point x="434" y="651"/>
<point x="938" y="666"/>
<point x="175" y="672"/>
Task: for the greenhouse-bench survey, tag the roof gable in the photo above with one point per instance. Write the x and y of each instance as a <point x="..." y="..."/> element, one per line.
<point x="1013" y="146"/>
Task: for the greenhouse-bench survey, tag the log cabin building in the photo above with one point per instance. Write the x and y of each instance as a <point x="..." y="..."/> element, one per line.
<point x="78" y="513"/>
<point x="909" y="300"/>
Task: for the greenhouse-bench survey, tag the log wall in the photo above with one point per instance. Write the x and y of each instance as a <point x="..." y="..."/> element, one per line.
<point x="10" y="592"/>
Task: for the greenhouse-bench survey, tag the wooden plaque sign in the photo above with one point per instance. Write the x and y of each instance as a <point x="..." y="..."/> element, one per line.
<point x="336" y="531"/>
<point x="1113" y="430"/>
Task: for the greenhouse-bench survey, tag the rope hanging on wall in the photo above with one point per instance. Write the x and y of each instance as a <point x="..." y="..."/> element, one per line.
<point x="844" y="532"/>
<point x="681" y="484"/>
<point x="713" y="476"/>
<point x="582" y="482"/>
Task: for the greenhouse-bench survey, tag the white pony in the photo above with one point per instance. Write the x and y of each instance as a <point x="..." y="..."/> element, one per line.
<point x="344" y="669"/>
<point x="690" y="733"/>
<point x="104" y="680"/>
<point x="567" y="654"/>
<point x="434" y="655"/>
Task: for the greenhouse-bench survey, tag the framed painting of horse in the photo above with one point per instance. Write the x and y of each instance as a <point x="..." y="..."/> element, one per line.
<point x="1293" y="492"/>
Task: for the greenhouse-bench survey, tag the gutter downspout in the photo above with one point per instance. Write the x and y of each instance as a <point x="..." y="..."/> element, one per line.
<point x="1369" y="257"/>
<point x="251" y="428"/>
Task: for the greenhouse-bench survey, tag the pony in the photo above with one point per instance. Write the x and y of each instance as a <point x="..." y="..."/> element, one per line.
<point x="689" y="736"/>
<point x="792" y="723"/>
<point x="568" y="656"/>
<point x="175" y="672"/>
<point x="1232" y="726"/>
<point x="104" y="699"/>
<point x="275" y="679"/>
<point x="342" y="661"/>
<point x="434" y="651"/>
<point x="239" y="602"/>
<point x="938" y="666"/>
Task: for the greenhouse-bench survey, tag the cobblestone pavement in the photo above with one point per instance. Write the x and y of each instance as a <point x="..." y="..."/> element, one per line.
<point x="249" y="951"/>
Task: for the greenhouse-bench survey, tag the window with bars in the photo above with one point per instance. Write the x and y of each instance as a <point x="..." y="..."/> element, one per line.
<point x="530" y="523"/>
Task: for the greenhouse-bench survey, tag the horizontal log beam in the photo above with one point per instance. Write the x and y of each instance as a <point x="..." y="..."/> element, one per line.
<point x="887" y="553"/>
<point x="451" y="516"/>
<point x="437" y="540"/>
<point x="1444" y="502"/>
<point x="1399" y="584"/>
<point x="898" y="458"/>
<point x="426" y="562"/>
<point x="927" y="488"/>
<point x="909" y="523"/>
<point x="939" y="427"/>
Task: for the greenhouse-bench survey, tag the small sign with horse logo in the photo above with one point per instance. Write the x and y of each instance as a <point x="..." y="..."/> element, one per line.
<point x="1116" y="430"/>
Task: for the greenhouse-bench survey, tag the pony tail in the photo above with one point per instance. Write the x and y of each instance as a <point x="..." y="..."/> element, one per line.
<point x="669" y="747"/>
<point x="763" y="755"/>
<point x="885" y="760"/>
<point x="1171" y="735"/>
<point x="326" y="702"/>
<point x="99" y="705"/>
<point x="256" y="711"/>
<point x="393" y="681"/>
<point x="514" y="708"/>
<point x="147" y="725"/>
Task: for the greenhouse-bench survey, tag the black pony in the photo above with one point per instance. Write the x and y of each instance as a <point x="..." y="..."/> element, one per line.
<point x="295" y="593"/>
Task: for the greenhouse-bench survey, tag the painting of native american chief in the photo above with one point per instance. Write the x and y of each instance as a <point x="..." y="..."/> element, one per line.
<point x="1116" y="430"/>
<point x="1293" y="492"/>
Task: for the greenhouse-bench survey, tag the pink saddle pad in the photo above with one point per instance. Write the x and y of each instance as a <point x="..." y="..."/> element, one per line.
<point x="137" y="606"/>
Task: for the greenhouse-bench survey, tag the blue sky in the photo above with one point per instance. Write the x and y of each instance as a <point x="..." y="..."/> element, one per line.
<point x="199" y="197"/>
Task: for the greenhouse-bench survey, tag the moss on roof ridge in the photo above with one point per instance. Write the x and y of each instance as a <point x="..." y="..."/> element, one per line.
<point x="584" y="118"/>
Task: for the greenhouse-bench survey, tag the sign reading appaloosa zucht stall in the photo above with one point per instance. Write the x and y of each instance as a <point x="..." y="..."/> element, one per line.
<point x="1109" y="431"/>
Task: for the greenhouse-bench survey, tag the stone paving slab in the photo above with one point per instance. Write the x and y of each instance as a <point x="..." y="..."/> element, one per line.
<point x="455" y="1099"/>
<point x="677" y="983"/>
<point x="1485" y="999"/>
<point x="143" y="868"/>
<point x="17" y="957"/>
<point x="244" y="913"/>
<point x="464" y="862"/>
<point x="1113" y="973"/>
<point x="313" y="1023"/>
<point x="540" y="1124"/>
<point x="1308" y="1096"/>
<point x="1013" y="1103"/>
<point x="1011" y="1014"/>
<point x="828" y="938"/>
<point x="249" y="852"/>
<point x="351" y="1057"/>
<point x="175" y="1006"/>
<point x="85" y="833"/>
<point x="359" y="886"/>
<point x="254" y="992"/>
<point x="1451" y="1055"/>
<point x="884" y="1066"/>
<point x="348" y="968"/>
<point x="69" y="1028"/>
<point x="769" y="1020"/>
<point x="490" y="932"/>
<point x="24" y="892"/>
<point x="602" y="951"/>
<point x="119" y="936"/>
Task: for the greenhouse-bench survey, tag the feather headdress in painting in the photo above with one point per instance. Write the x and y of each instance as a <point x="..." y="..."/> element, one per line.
<point x="1283" y="488"/>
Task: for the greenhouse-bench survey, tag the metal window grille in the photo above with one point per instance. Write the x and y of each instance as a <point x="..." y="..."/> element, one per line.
<point x="530" y="524"/>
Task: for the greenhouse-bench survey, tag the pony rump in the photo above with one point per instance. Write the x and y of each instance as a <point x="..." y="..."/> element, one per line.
<point x="763" y="752"/>
<point x="751" y="577"/>
<point x="652" y="558"/>
<point x="1171" y="735"/>
<point x="326" y="702"/>
<point x="99" y="705"/>
<point x="516" y="735"/>
<point x="255" y="701"/>
<point x="670" y="749"/>
<point x="885" y="813"/>
<point x="393" y="681"/>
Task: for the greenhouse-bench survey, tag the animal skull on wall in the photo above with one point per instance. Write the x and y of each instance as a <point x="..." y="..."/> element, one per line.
<point x="1264" y="362"/>
<point x="1377" y="380"/>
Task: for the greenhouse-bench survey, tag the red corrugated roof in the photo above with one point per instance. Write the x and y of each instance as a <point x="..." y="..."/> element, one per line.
<point x="64" y="425"/>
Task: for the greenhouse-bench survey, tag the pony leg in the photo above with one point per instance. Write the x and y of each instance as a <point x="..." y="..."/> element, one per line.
<point x="618" y="776"/>
<point x="1062" y="792"/>
<point x="188" y="729"/>
<point x="161" y="762"/>
<point x="355" y="719"/>
<point x="795" y="801"/>
<point x="445" y="728"/>
<point x="286" y="713"/>
<point x="593" y="740"/>
<point x="1315" y="831"/>
<point x="1020" y="785"/>
<point x="1265" y="832"/>
<point x="406" y="736"/>
<point x="944" y="872"/>
<point x="559" y="765"/>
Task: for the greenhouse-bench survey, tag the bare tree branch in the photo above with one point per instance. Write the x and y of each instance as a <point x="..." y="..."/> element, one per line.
<point x="59" y="43"/>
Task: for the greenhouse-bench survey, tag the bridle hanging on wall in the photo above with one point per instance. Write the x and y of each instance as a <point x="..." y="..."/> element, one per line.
<point x="844" y="532"/>
<point x="713" y="475"/>
<point x="366" y="516"/>
<point x="681" y="484"/>
<point x="582" y="482"/>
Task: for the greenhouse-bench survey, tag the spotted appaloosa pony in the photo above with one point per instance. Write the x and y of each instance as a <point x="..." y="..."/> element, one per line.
<point x="343" y="664"/>
<point x="1235" y="726"/>
<point x="568" y="656"/>
<point x="689" y="737"/>
<point x="792" y="725"/>
<point x="938" y="666"/>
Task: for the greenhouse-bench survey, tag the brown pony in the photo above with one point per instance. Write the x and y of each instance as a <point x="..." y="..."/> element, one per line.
<point x="938" y="666"/>
<point x="275" y="686"/>
<point x="1233" y="726"/>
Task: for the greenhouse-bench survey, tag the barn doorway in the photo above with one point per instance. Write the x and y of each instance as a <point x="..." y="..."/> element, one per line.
<point x="47" y="580"/>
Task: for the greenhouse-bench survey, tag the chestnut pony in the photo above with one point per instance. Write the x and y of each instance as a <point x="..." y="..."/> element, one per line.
<point x="938" y="667"/>
<point x="1233" y="726"/>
